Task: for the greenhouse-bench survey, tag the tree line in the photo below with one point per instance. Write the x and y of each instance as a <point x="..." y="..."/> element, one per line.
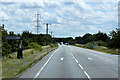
<point x="112" y="40"/>
<point x="28" y="38"/>
<point x="102" y="39"/>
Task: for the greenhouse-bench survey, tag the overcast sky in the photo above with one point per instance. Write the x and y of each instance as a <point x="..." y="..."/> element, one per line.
<point x="70" y="18"/>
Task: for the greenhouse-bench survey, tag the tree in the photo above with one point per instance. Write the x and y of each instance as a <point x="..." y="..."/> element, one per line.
<point x="114" y="42"/>
<point x="4" y="42"/>
<point x="79" y="40"/>
<point x="88" y="38"/>
<point x="101" y="36"/>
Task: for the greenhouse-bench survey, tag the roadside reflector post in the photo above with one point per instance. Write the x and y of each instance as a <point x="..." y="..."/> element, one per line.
<point x="19" y="52"/>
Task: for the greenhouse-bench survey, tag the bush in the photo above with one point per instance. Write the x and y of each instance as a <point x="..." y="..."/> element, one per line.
<point x="91" y="45"/>
<point x="56" y="44"/>
<point x="100" y="43"/>
<point x="34" y="45"/>
<point x="95" y="44"/>
<point x="51" y="45"/>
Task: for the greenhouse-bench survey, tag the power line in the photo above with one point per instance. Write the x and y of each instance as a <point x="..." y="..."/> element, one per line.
<point x="38" y="22"/>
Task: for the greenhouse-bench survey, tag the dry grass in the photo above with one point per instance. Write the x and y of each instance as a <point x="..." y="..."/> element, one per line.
<point x="12" y="67"/>
<point x="0" y="69"/>
<point x="102" y="49"/>
<point x="43" y="47"/>
<point x="107" y="50"/>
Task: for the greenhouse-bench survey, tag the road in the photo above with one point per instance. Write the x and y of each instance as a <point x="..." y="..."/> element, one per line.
<point x="73" y="62"/>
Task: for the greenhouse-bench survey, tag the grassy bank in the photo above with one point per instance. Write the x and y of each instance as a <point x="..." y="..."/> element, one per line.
<point x="101" y="49"/>
<point x="12" y="67"/>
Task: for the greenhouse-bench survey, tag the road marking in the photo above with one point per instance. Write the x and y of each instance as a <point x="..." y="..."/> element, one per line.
<point x="81" y="66"/>
<point x="76" y="60"/>
<point x="89" y="59"/>
<point x="62" y="58"/>
<point x="87" y="75"/>
<point x="71" y="53"/>
<point x="73" y="57"/>
<point x="44" y="65"/>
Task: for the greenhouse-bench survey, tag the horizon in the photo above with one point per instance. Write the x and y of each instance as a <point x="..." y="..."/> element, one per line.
<point x="58" y="36"/>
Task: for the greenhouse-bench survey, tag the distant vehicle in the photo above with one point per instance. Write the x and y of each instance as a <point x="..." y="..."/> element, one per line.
<point x="66" y="43"/>
<point x="61" y="43"/>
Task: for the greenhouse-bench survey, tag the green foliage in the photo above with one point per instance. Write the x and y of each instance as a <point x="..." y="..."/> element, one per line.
<point x="9" y="46"/>
<point x="101" y="36"/>
<point x="101" y="43"/>
<point x="69" y="40"/>
<point x="91" y="40"/>
<point x="92" y="37"/>
<point x="101" y="39"/>
<point x="94" y="44"/>
<point x="35" y="46"/>
<point x="114" y="42"/>
<point x="4" y="34"/>
<point x="80" y="45"/>
<point x="51" y="45"/>
<point x="56" y="44"/>
<point x="88" y="38"/>
<point x="91" y="45"/>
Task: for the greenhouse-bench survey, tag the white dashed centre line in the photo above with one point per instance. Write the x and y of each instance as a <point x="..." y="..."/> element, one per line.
<point x="76" y="60"/>
<point x="81" y="66"/>
<point x="62" y="58"/>
<point x="89" y="59"/>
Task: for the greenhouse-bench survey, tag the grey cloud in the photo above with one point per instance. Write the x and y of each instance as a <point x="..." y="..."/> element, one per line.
<point x="30" y="5"/>
<point x="8" y="3"/>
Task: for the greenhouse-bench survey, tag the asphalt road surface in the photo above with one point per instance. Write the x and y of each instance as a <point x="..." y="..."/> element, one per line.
<point x="73" y="62"/>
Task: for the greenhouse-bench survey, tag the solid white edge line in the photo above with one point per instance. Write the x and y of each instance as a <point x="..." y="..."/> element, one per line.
<point x="80" y="66"/>
<point x="44" y="65"/>
<point x="87" y="75"/>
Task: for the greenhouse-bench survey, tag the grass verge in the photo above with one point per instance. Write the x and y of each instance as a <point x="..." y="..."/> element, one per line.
<point x="101" y="49"/>
<point x="13" y="67"/>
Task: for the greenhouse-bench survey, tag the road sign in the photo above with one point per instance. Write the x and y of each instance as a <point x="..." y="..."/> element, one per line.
<point x="19" y="52"/>
<point x="13" y="37"/>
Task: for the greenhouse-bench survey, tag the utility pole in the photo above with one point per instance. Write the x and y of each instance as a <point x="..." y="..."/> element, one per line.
<point x="118" y="16"/>
<point x="51" y="37"/>
<point x="38" y="22"/>
<point x="51" y="33"/>
<point x="47" y="32"/>
<point x="47" y="27"/>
